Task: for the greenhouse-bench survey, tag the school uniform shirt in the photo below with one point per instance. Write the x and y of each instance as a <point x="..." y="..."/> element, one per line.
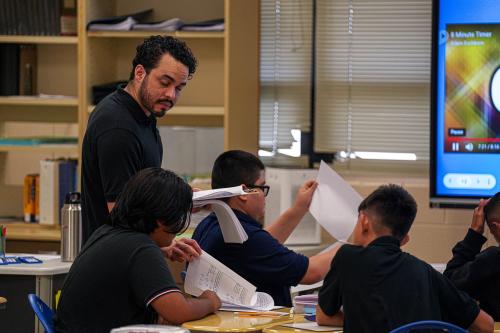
<point x="112" y="282"/>
<point x="476" y="272"/>
<point x="119" y="141"/>
<point x="381" y="288"/>
<point x="261" y="260"/>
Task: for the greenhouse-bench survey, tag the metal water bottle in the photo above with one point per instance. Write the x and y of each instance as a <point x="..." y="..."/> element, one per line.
<point x="71" y="226"/>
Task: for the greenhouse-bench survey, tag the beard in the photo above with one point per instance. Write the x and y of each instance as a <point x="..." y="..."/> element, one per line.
<point x="148" y="102"/>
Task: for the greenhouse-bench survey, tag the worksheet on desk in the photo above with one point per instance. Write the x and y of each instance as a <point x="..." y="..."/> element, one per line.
<point x="207" y="273"/>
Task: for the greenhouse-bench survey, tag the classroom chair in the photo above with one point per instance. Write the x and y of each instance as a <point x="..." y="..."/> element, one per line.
<point x="43" y="312"/>
<point x="429" y="324"/>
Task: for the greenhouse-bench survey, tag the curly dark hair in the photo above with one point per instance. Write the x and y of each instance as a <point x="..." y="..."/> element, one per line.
<point x="152" y="195"/>
<point x="392" y="207"/>
<point x="153" y="48"/>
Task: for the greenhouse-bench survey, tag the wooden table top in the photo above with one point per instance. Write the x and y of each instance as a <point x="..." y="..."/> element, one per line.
<point x="224" y="321"/>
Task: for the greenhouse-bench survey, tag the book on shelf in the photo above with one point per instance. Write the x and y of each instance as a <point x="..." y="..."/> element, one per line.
<point x="27" y="69"/>
<point x="68" y="23"/>
<point x="37" y="17"/>
<point x="31" y="201"/>
<point x="9" y="69"/>
<point x="57" y="177"/>
<point x="172" y="24"/>
<point x="121" y="22"/>
<point x="210" y="25"/>
<point x="18" y="64"/>
<point x="207" y="273"/>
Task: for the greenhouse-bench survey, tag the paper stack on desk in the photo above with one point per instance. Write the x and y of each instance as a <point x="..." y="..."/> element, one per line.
<point x="207" y="273"/>
<point x="231" y="228"/>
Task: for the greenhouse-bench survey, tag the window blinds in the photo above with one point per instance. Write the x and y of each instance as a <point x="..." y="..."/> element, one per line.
<point x="285" y="70"/>
<point x="373" y="76"/>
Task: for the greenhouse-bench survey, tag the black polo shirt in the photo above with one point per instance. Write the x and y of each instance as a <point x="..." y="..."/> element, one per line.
<point x="381" y="288"/>
<point x="119" y="141"/>
<point x="112" y="282"/>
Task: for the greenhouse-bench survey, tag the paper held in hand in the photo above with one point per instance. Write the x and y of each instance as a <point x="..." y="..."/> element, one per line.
<point x="207" y="273"/>
<point x="335" y="203"/>
<point x="231" y="228"/>
<point x="200" y="197"/>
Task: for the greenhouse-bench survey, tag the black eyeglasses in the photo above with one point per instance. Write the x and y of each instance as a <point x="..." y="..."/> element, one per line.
<point x="263" y="188"/>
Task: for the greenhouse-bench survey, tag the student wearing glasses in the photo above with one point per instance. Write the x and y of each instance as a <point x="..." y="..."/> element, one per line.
<point x="262" y="260"/>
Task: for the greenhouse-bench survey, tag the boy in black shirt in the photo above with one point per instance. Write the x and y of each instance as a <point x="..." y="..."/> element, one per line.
<point x="478" y="272"/>
<point x="121" y="277"/>
<point x="379" y="286"/>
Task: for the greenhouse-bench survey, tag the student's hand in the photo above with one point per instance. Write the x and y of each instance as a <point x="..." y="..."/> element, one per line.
<point x="304" y="195"/>
<point x="477" y="223"/>
<point x="181" y="250"/>
<point x="213" y="298"/>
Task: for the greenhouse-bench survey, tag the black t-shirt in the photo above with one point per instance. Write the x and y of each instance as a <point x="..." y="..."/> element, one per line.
<point x="381" y="288"/>
<point x="119" y="141"/>
<point x="476" y="272"/>
<point x="112" y="282"/>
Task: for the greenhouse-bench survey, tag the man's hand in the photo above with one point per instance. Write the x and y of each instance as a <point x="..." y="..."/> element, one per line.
<point x="304" y="195"/>
<point x="477" y="223"/>
<point x="181" y="250"/>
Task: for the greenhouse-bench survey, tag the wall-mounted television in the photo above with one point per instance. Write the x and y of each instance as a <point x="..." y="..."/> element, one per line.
<point x="465" y="102"/>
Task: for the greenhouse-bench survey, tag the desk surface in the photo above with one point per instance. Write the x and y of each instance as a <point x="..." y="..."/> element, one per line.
<point x="224" y="321"/>
<point x="51" y="265"/>
<point x="300" y="319"/>
<point x="297" y="318"/>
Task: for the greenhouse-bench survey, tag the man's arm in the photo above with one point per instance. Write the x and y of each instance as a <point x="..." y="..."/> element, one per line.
<point x="324" y="319"/>
<point x="286" y="222"/>
<point x="176" y="309"/>
<point x="319" y="265"/>
<point x="482" y="324"/>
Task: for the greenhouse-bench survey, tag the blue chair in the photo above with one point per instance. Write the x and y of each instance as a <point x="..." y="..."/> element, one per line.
<point x="429" y="324"/>
<point x="43" y="312"/>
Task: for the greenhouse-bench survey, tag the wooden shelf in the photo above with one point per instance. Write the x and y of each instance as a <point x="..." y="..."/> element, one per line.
<point x="33" y="232"/>
<point x="208" y="116"/>
<point x="61" y="148"/>
<point x="145" y="34"/>
<point x="25" y="39"/>
<point x="38" y="101"/>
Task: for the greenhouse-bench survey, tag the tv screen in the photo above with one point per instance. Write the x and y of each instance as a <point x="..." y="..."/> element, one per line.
<point x="465" y="102"/>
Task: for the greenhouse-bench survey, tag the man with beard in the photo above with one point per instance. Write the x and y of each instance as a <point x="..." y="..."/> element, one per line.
<point x="121" y="136"/>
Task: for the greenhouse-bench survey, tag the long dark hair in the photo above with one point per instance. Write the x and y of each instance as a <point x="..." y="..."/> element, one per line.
<point x="152" y="195"/>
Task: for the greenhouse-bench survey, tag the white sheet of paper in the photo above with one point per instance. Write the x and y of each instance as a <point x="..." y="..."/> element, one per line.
<point x="230" y="226"/>
<point x="313" y="326"/>
<point x="217" y="194"/>
<point x="335" y="203"/>
<point x="207" y="273"/>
